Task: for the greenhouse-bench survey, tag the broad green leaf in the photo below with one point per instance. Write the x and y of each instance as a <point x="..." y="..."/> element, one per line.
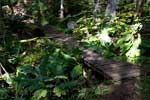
<point x="127" y="37"/>
<point x="41" y="93"/>
<point x="137" y="42"/>
<point x="44" y="21"/>
<point x="66" y="56"/>
<point x="98" y="91"/>
<point x="119" y="42"/>
<point x="58" y="91"/>
<point x="125" y="48"/>
<point x="133" y="52"/>
<point x="7" y="78"/>
<point x="77" y="70"/>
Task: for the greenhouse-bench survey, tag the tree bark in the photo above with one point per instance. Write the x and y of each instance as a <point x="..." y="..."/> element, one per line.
<point x="139" y="7"/>
<point x="97" y="8"/>
<point x="111" y="9"/>
<point x="1" y="18"/>
<point x="61" y="9"/>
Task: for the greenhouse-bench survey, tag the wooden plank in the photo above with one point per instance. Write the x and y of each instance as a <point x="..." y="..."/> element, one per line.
<point x="115" y="70"/>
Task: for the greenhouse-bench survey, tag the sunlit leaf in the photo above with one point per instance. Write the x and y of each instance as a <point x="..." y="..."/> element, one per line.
<point x="77" y="70"/>
<point x="56" y="77"/>
<point x="127" y="37"/>
<point x="41" y="93"/>
<point x="137" y="41"/>
<point x="58" y="91"/>
<point x="133" y="52"/>
<point x="7" y="78"/>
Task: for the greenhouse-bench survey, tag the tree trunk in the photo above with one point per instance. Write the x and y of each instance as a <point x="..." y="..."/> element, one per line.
<point x="139" y="7"/>
<point x="111" y="9"/>
<point x="1" y="18"/>
<point x="61" y="9"/>
<point x="97" y="8"/>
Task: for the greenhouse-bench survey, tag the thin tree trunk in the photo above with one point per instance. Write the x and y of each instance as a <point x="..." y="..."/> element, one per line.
<point x="62" y="9"/>
<point x="111" y="9"/>
<point x="97" y="8"/>
<point x="139" y="7"/>
<point x="1" y="18"/>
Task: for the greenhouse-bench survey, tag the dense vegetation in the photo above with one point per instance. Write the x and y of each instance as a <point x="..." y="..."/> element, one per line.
<point x="35" y="67"/>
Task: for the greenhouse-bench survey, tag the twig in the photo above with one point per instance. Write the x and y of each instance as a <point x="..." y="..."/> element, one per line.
<point x="3" y="68"/>
<point x="0" y="72"/>
<point x="28" y="40"/>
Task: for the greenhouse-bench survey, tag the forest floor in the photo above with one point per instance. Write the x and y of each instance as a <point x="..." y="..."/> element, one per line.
<point x="120" y="90"/>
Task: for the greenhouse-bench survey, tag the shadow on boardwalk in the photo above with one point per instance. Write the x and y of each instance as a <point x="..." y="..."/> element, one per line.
<point x="116" y="70"/>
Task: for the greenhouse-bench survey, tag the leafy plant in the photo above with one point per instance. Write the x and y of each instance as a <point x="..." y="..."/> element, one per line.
<point x="86" y="26"/>
<point x="39" y="11"/>
<point x="115" y="40"/>
<point x="55" y="75"/>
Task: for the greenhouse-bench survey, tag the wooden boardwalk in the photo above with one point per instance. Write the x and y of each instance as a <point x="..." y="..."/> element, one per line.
<point x="111" y="69"/>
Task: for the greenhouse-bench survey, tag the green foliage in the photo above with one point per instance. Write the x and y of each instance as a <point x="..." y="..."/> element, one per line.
<point x="144" y="86"/>
<point x="8" y="2"/>
<point x="92" y="93"/>
<point x="85" y="27"/>
<point x="74" y="7"/>
<point x="43" y="69"/>
<point x="55" y="74"/>
<point x="3" y="94"/>
<point x="39" y="11"/>
<point x="40" y="94"/>
<point x="76" y="71"/>
<point x="115" y="40"/>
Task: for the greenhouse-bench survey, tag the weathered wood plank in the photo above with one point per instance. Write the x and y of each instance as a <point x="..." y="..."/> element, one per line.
<point x="115" y="70"/>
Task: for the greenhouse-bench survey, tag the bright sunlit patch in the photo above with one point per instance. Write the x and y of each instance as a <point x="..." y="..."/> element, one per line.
<point x="104" y="37"/>
<point x="137" y="26"/>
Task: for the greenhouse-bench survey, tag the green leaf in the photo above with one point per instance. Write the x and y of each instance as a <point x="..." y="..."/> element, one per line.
<point x="43" y="65"/>
<point x="27" y="69"/>
<point x="3" y="94"/>
<point x="64" y="87"/>
<point x="67" y="56"/>
<point x="13" y="1"/>
<point x="70" y="84"/>
<point x="58" y="91"/>
<point x="56" y="77"/>
<point x="133" y="52"/>
<point x="44" y="21"/>
<point x="127" y="37"/>
<point x="39" y="94"/>
<point x="125" y="48"/>
<point x="77" y="70"/>
<point x="119" y="42"/>
<point x="7" y="78"/>
<point x="98" y="91"/>
<point x="137" y="42"/>
<point x="102" y="91"/>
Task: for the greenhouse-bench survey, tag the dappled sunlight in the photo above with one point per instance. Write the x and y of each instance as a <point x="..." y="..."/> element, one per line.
<point x="74" y="50"/>
<point x="114" y="69"/>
